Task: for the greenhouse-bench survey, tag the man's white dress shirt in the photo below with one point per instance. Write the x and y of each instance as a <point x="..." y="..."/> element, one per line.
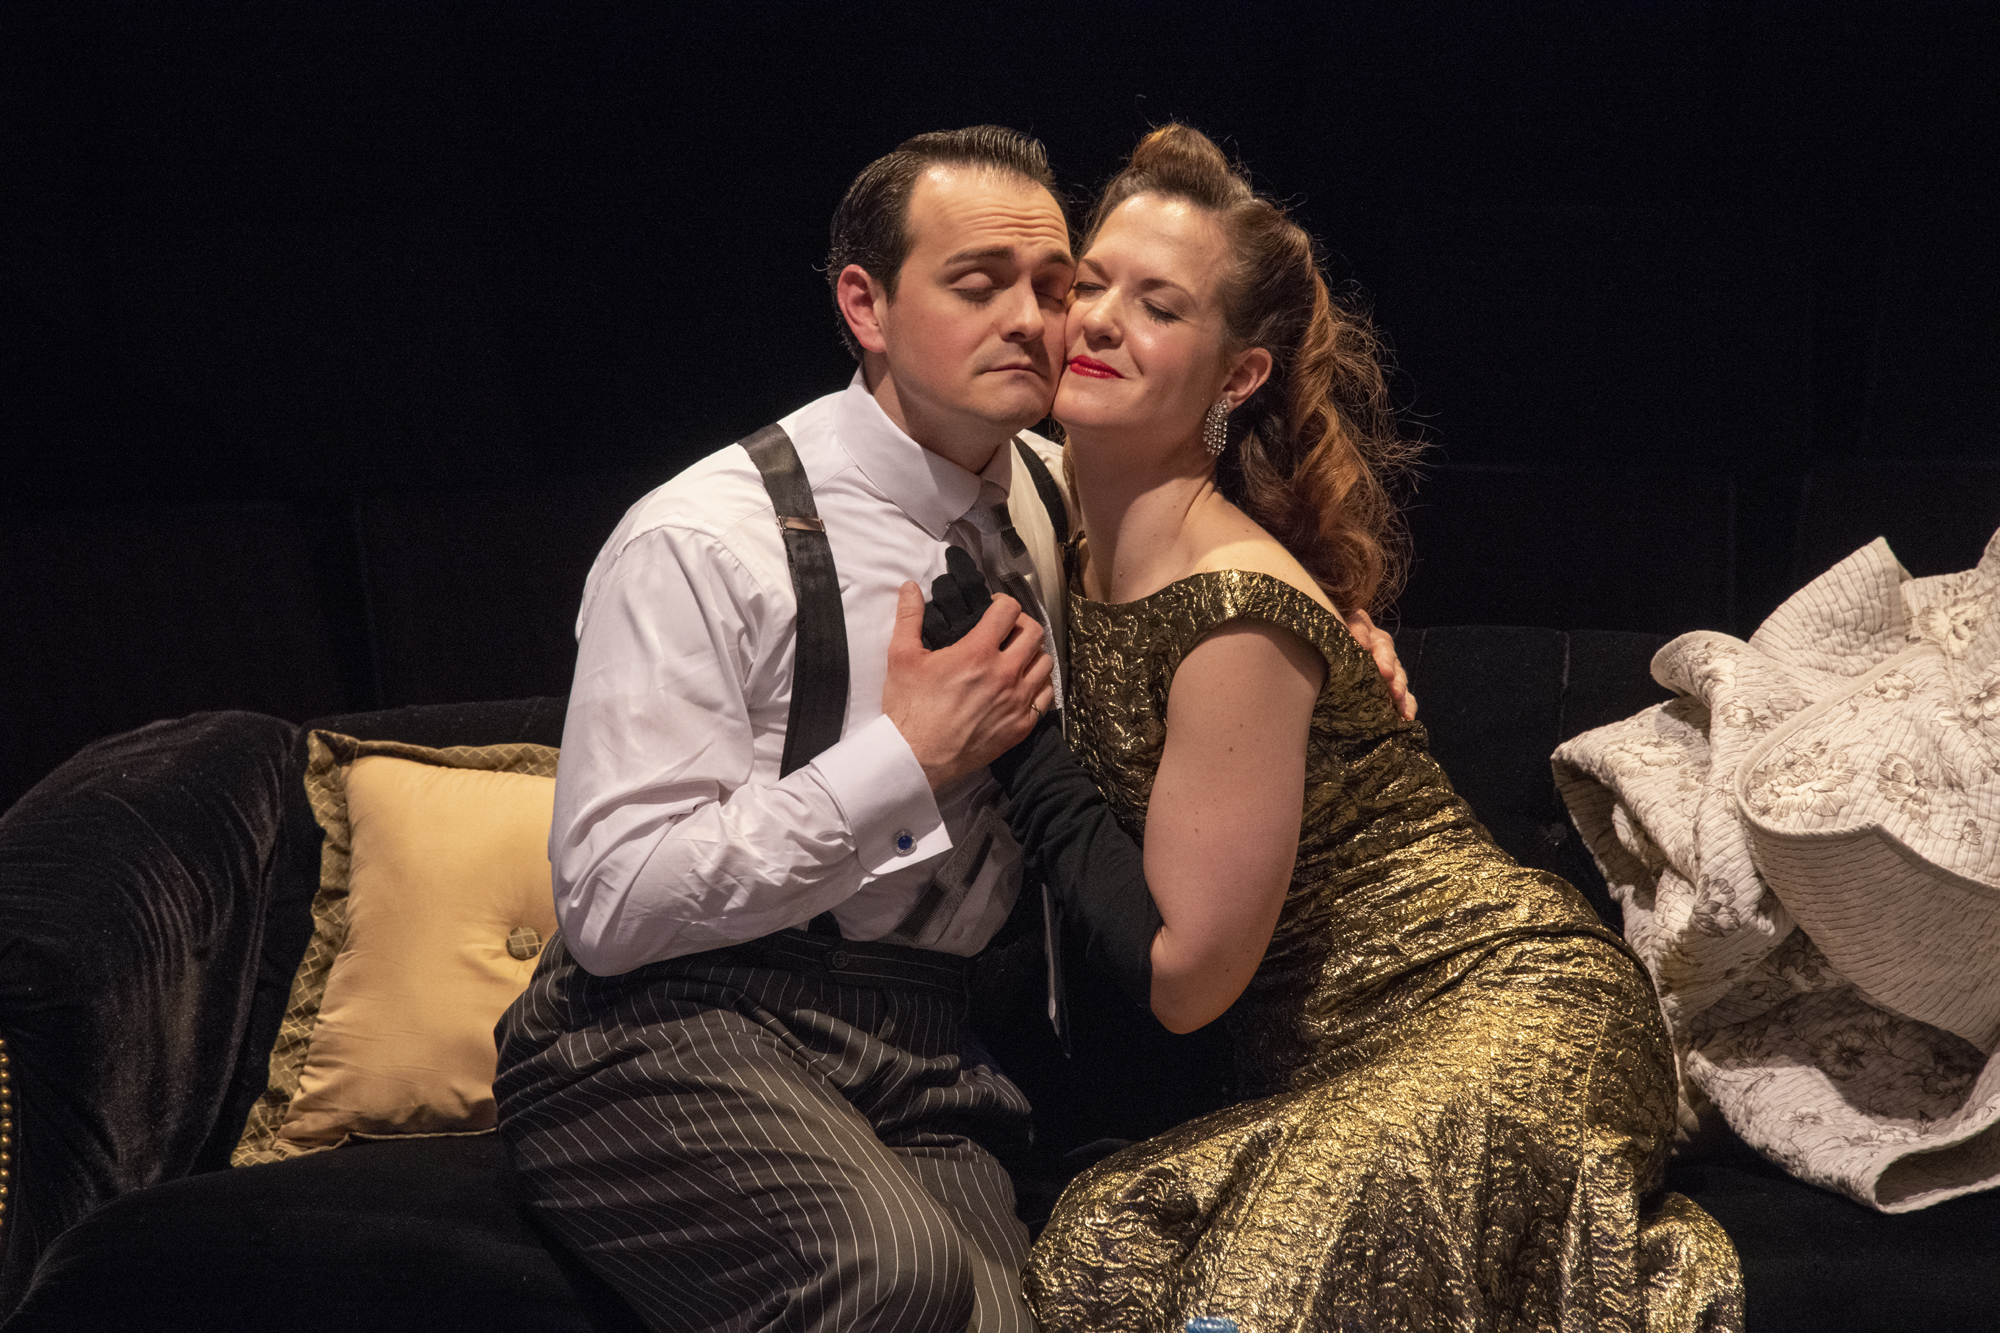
<point x="673" y="832"/>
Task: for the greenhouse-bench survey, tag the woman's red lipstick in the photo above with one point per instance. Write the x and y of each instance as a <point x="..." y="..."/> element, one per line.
<point x="1095" y="369"/>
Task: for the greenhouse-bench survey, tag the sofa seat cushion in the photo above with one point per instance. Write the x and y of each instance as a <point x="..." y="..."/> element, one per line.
<point x="1813" y="1260"/>
<point x="419" y="1234"/>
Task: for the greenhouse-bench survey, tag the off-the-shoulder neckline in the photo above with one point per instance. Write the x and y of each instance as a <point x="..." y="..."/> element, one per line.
<point x="1325" y="635"/>
<point x="1301" y="594"/>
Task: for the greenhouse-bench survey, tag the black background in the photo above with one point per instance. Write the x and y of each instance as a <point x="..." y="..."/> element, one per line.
<point x="332" y="347"/>
<point x="385" y="247"/>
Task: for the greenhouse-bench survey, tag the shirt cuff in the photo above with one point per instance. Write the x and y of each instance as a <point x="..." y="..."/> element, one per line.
<point x="880" y="787"/>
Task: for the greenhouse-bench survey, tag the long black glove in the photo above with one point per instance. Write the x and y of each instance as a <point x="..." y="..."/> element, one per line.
<point x="1072" y="841"/>
<point x="959" y="597"/>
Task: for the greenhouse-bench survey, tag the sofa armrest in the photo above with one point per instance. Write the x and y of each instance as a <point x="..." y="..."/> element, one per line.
<point x="136" y="883"/>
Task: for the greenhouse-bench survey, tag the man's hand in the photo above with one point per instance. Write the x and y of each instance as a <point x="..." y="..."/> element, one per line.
<point x="963" y="706"/>
<point x="1379" y="645"/>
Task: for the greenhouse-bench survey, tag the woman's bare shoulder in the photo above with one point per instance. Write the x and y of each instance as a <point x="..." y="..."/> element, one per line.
<point x="1244" y="545"/>
<point x="1241" y="544"/>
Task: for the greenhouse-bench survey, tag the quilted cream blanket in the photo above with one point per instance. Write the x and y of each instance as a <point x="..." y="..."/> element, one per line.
<point x="1806" y="843"/>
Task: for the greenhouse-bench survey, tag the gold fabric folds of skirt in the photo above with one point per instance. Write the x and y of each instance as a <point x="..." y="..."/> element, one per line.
<point x="1477" y="1165"/>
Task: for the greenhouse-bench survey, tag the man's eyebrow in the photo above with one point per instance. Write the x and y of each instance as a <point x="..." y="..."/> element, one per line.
<point x="990" y="252"/>
<point x="1005" y="252"/>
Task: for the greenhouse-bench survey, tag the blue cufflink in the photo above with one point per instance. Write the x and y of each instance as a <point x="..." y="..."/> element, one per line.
<point x="905" y="844"/>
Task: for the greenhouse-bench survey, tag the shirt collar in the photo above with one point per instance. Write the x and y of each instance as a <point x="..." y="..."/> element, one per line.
<point x="931" y="489"/>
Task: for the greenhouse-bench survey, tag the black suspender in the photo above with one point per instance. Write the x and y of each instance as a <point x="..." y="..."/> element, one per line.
<point x="819" y="657"/>
<point x="819" y="653"/>
<point x="819" y="661"/>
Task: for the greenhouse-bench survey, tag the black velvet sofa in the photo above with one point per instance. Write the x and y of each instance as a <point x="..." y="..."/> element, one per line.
<point x="154" y="903"/>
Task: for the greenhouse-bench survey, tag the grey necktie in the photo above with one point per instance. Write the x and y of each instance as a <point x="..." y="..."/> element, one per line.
<point x="988" y="533"/>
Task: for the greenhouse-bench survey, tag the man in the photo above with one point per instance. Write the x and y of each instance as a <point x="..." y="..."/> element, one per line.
<point x="740" y="1112"/>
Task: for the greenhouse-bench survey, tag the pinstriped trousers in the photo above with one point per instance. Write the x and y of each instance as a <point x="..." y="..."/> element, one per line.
<point x="741" y="1148"/>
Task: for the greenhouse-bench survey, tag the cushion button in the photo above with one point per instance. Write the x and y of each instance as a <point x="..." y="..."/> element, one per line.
<point x="524" y="943"/>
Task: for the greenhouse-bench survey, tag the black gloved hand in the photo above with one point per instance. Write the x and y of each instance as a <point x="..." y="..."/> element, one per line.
<point x="959" y="597"/>
<point x="1074" y="844"/>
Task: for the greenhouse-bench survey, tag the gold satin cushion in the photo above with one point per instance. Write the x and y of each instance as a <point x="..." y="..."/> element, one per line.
<point x="434" y="901"/>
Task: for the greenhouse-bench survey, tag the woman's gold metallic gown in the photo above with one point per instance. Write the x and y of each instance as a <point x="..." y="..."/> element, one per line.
<point x="1464" y="1089"/>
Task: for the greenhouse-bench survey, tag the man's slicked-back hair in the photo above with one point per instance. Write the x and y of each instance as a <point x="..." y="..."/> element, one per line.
<point x="872" y="225"/>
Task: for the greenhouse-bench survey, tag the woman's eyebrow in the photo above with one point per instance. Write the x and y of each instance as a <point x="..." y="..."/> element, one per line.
<point x="1145" y="284"/>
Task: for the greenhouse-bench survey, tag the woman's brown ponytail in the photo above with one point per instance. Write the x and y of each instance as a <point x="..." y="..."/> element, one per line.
<point x="1309" y="452"/>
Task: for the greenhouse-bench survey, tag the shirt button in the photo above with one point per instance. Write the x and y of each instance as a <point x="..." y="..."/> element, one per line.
<point x="905" y="844"/>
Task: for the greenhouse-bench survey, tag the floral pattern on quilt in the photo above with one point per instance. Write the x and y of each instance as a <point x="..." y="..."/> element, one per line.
<point x="1806" y="843"/>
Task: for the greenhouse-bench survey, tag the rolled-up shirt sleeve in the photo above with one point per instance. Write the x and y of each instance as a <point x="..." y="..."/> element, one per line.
<point x="673" y="832"/>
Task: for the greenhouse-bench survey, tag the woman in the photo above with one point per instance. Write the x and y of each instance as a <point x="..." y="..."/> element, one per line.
<point x="1464" y="1088"/>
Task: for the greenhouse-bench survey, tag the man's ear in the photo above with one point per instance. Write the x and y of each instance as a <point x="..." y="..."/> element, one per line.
<point x="862" y="301"/>
<point x="1252" y="368"/>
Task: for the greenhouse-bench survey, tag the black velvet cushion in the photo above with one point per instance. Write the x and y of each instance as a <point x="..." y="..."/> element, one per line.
<point x="134" y="886"/>
<point x="1491" y="699"/>
<point x="529" y="721"/>
<point x="473" y="594"/>
<point x="1608" y="676"/>
<point x="419" y="1235"/>
<point x="1498" y="699"/>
